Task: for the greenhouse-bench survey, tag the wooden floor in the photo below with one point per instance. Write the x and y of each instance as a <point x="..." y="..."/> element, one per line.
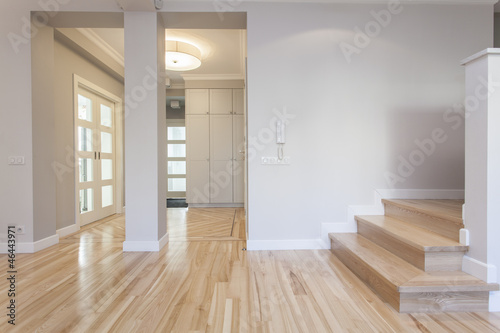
<point x="87" y="284"/>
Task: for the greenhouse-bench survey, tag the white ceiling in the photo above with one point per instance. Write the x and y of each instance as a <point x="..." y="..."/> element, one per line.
<point x="223" y="50"/>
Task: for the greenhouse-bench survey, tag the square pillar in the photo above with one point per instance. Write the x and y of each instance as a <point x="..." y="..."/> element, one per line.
<point x="482" y="167"/>
<point x="145" y="133"/>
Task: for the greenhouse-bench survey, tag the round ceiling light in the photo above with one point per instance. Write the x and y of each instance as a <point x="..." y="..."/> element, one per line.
<point x="181" y="56"/>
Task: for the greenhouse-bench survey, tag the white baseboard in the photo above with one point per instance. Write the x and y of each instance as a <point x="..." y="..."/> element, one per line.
<point x="145" y="246"/>
<point x="63" y="232"/>
<point x="285" y="244"/>
<point x="32" y="247"/>
<point x="479" y="269"/>
<point x="435" y="194"/>
<point x="494" y="301"/>
<point x="215" y="205"/>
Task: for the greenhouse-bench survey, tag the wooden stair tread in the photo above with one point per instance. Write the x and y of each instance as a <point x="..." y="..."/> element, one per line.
<point x="403" y="275"/>
<point x="413" y="235"/>
<point x="446" y="209"/>
<point x="392" y="268"/>
<point x="446" y="281"/>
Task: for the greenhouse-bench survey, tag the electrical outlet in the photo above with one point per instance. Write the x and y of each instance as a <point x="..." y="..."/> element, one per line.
<point x="272" y="160"/>
<point x="20" y="229"/>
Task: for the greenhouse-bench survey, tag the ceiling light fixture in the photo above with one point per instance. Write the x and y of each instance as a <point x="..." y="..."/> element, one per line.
<point x="181" y="56"/>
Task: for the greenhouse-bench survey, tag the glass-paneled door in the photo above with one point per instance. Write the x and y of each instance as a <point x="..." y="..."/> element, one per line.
<point x="176" y="159"/>
<point x="95" y="146"/>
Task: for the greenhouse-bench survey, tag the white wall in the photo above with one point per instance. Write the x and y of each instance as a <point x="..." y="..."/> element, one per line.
<point x="67" y="63"/>
<point x="352" y="121"/>
<point x="348" y="117"/>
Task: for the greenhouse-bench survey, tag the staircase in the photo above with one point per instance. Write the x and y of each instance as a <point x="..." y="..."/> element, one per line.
<point x="412" y="258"/>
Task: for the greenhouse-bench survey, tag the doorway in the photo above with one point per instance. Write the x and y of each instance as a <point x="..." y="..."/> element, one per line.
<point x="95" y="122"/>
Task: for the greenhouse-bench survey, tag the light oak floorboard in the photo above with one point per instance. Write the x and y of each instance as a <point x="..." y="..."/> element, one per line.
<point x="88" y="284"/>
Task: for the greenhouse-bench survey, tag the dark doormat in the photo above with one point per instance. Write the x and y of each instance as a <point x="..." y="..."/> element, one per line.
<point x="176" y="203"/>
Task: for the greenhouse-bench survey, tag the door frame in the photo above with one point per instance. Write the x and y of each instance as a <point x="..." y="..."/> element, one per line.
<point x="79" y="82"/>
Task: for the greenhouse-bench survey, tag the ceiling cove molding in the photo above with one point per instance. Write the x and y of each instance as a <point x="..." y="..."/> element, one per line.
<point x="212" y="77"/>
<point x="102" y="44"/>
<point x="427" y="2"/>
<point x="177" y="86"/>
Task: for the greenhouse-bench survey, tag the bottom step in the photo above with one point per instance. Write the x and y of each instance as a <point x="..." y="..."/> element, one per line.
<point x="405" y="287"/>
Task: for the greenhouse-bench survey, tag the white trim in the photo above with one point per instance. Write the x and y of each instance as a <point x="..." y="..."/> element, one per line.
<point x="420" y="194"/>
<point x="215" y="205"/>
<point x="212" y="77"/>
<point x="103" y="45"/>
<point x="285" y="244"/>
<point x="32" y="247"/>
<point x="479" y="55"/>
<point x="419" y="2"/>
<point x="63" y="232"/>
<point x="145" y="246"/>
<point x="164" y="240"/>
<point x="177" y="86"/>
<point x="494" y="305"/>
<point x="481" y="270"/>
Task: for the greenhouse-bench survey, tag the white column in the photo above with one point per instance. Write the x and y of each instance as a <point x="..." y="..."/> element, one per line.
<point x="482" y="167"/>
<point x="145" y="133"/>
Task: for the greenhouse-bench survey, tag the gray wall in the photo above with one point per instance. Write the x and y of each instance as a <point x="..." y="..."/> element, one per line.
<point x="67" y="63"/>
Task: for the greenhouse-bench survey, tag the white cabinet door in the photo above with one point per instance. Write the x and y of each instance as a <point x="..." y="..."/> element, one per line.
<point x="197" y="137"/>
<point x="238" y="101"/>
<point x="238" y="158"/>
<point x="197" y="101"/>
<point x="221" y="156"/>
<point x="197" y="182"/>
<point x="221" y="101"/>
<point x="221" y="137"/>
<point x="197" y="159"/>
<point x="221" y="182"/>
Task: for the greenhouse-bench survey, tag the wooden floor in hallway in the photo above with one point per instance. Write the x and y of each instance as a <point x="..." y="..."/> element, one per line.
<point x="201" y="282"/>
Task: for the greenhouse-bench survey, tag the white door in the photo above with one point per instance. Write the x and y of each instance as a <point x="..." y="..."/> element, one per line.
<point x="198" y="155"/>
<point x="176" y="159"/>
<point x="221" y="101"/>
<point x="197" y="101"/>
<point x="221" y="156"/>
<point x="95" y="146"/>
<point x="238" y="158"/>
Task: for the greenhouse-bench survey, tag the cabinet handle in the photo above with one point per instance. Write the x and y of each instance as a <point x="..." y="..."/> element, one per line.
<point x="99" y="155"/>
<point x="95" y="155"/>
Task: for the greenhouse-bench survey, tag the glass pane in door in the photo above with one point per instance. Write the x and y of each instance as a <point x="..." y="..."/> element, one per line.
<point x="176" y="150"/>
<point x="106" y="169"/>
<point x="85" y="142"/>
<point x="176" y="133"/>
<point x="106" y="142"/>
<point x="107" y="195"/>
<point x="106" y="116"/>
<point x="176" y="167"/>
<point x="177" y="184"/>
<point x="86" y="169"/>
<point x="86" y="200"/>
<point x="84" y="108"/>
